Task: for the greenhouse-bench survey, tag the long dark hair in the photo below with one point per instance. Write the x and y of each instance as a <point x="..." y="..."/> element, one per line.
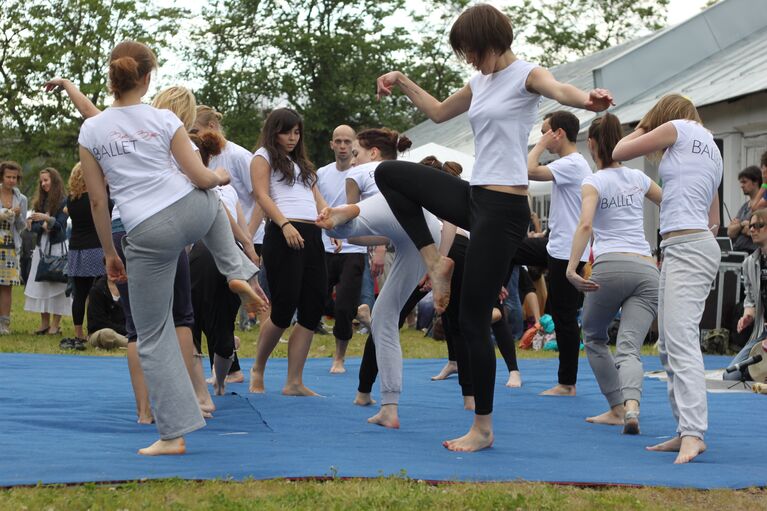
<point x="606" y="131"/>
<point x="49" y="202"/>
<point x="279" y="121"/>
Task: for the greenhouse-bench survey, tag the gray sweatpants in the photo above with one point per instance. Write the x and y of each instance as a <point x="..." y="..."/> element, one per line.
<point x="628" y="283"/>
<point x="690" y="263"/>
<point x="377" y="219"/>
<point x="151" y="252"/>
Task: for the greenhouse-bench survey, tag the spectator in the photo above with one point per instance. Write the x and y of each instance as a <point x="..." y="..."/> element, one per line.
<point x="750" y="180"/>
<point x="106" y="320"/>
<point x="49" y="221"/>
<point x="13" y="210"/>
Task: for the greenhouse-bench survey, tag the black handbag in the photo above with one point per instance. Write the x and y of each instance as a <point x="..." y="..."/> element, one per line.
<point x="52" y="268"/>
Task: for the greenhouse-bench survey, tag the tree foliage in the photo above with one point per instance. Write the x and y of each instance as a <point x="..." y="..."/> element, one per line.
<point x="69" y="38"/>
<point x="557" y="31"/>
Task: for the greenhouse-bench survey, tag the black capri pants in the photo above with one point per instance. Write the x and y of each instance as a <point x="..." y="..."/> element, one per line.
<point x="497" y="221"/>
<point x="297" y="278"/>
<point x="345" y="273"/>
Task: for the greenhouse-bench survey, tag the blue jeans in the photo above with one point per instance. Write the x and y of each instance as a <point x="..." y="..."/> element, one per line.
<point x="367" y="293"/>
<point x="514" y="305"/>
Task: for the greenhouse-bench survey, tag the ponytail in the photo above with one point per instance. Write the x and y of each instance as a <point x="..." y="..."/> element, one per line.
<point x="606" y="131"/>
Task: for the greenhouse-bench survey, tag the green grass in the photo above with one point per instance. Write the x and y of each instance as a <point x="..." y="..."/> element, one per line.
<point x="382" y="493"/>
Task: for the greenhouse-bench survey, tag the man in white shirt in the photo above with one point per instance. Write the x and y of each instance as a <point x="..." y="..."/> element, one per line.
<point x="560" y="132"/>
<point x="345" y="262"/>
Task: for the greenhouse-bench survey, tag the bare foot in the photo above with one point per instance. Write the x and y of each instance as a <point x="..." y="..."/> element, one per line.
<point x="515" y="380"/>
<point x="235" y="377"/>
<point x="145" y="420"/>
<point x="206" y="415"/>
<point x="468" y="403"/>
<point x="250" y="300"/>
<point x="363" y="399"/>
<point x="612" y="417"/>
<point x="299" y="390"/>
<point x="672" y="445"/>
<point x="256" y="381"/>
<point x="386" y="417"/>
<point x="331" y="217"/>
<point x="475" y="440"/>
<point x="691" y="447"/>
<point x="363" y="315"/>
<point x="559" y="390"/>
<point x="165" y="447"/>
<point x="451" y="367"/>
<point x="440" y="283"/>
<point x="337" y="367"/>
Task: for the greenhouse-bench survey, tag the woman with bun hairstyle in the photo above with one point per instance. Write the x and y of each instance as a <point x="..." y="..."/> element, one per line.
<point x="215" y="307"/>
<point x="502" y="104"/>
<point x="162" y="190"/>
<point x="285" y="187"/>
<point x="690" y="166"/>
<point x="49" y="221"/>
<point x="371" y="222"/>
<point x="12" y="212"/>
<point x="624" y="276"/>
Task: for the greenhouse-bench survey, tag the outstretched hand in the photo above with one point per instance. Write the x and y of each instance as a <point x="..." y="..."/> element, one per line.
<point x="386" y="83"/>
<point x="55" y="85"/>
<point x="599" y="100"/>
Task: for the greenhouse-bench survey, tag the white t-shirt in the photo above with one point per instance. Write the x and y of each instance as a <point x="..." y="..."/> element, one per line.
<point x="501" y="114"/>
<point x="236" y="160"/>
<point x="258" y="239"/>
<point x="364" y="176"/>
<point x="132" y="145"/>
<point x="229" y="197"/>
<point x="332" y="185"/>
<point x="569" y="172"/>
<point x="296" y="201"/>
<point x="619" y="218"/>
<point x="690" y="171"/>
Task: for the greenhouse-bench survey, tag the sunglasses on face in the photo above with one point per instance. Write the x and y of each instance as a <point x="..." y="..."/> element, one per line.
<point x="754" y="227"/>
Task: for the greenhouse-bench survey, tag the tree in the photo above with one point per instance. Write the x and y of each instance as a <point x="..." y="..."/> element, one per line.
<point x="556" y="31"/>
<point x="69" y="38"/>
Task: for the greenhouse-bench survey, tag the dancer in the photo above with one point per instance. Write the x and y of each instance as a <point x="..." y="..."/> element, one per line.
<point x="559" y="134"/>
<point x="691" y="170"/>
<point x="285" y="186"/>
<point x="163" y="209"/>
<point x="502" y="102"/>
<point x="624" y="276"/>
<point x="49" y="222"/>
<point x="85" y="261"/>
<point x="14" y="207"/>
<point x="367" y="222"/>
<point x="345" y="262"/>
<point x="215" y="307"/>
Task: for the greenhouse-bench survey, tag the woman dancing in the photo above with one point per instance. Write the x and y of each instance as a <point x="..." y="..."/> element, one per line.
<point x="624" y="275"/>
<point x="132" y="145"/>
<point x="285" y="186"/>
<point x="691" y="170"/>
<point x="502" y="102"/>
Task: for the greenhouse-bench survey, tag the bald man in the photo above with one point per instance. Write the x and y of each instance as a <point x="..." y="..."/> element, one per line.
<point x="345" y="262"/>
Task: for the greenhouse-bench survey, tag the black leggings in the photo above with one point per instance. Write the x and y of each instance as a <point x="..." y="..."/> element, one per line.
<point x="497" y="221"/>
<point x="82" y="286"/>
<point x="297" y="278"/>
<point x="215" y="306"/>
<point x="345" y="274"/>
<point x="563" y="299"/>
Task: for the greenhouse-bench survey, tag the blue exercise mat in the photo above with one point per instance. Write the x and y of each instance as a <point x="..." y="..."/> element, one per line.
<point x="67" y="419"/>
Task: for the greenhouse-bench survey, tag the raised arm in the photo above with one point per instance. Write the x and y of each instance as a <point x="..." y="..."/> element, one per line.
<point x="84" y="105"/>
<point x="97" y="194"/>
<point x="589" y="199"/>
<point x="541" y="80"/>
<point x="191" y="164"/>
<point x="437" y="111"/>
<point x="535" y="170"/>
<point x="638" y="143"/>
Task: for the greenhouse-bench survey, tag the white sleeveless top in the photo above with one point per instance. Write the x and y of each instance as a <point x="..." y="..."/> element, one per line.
<point x="502" y="113"/>
<point x="296" y="201"/>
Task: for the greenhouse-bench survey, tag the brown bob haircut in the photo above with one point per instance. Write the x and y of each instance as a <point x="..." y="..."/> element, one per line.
<point x="481" y="29"/>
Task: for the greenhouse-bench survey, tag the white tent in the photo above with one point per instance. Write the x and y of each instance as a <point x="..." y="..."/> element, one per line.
<point x="443" y="153"/>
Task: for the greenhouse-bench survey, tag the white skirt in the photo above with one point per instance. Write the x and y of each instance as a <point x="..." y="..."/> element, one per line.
<point x="46" y="297"/>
